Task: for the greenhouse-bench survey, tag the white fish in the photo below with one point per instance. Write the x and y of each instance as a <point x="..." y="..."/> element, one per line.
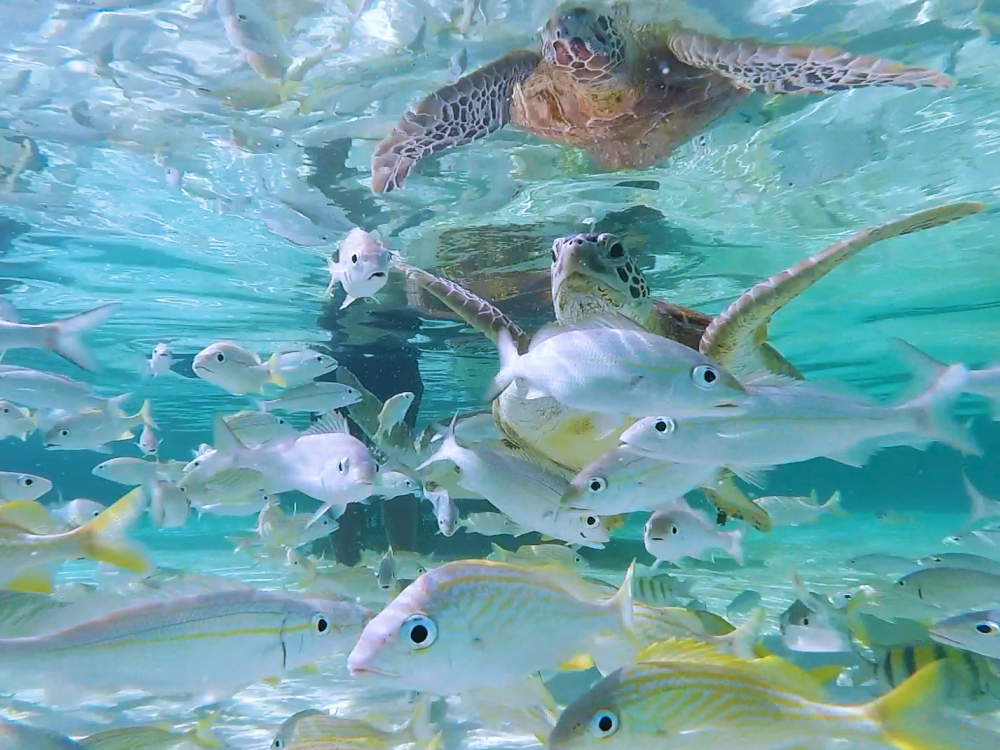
<point x="149" y="444"/>
<point x="939" y="590"/>
<point x="789" y="423"/>
<point x="324" y="462"/>
<point x="169" y="507"/>
<point x="276" y="529"/>
<point x="983" y="509"/>
<point x="16" y="421"/>
<point x="648" y="374"/>
<point x="18" y="736"/>
<point x="521" y="488"/>
<point x="806" y="630"/>
<point x="290" y="368"/>
<point x="250" y="505"/>
<point x="362" y="266"/>
<point x="491" y="524"/>
<point x="160" y="361"/>
<point x="315" y="398"/>
<point x="445" y="510"/>
<point x="209" y="645"/>
<point x="407" y="565"/>
<point x="14" y="486"/>
<point x="677" y="532"/>
<point x="392" y="484"/>
<point x="94" y="429"/>
<point x="255" y="428"/>
<point x="136" y="471"/>
<point x="960" y="560"/>
<point x="253" y="33"/>
<point x="78" y="512"/>
<point x="385" y="571"/>
<point x="232" y="368"/>
<point x="883" y="564"/>
<point x="787" y="510"/>
<point x="46" y="390"/>
<point x="393" y="413"/>
<point x="61" y="336"/>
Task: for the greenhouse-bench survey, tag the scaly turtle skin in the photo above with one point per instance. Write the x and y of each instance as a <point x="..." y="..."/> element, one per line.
<point x="626" y="94"/>
<point x="594" y="275"/>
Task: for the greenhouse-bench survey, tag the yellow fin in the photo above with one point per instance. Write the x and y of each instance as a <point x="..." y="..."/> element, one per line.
<point x="29" y="516"/>
<point x="308" y="669"/>
<point x="761" y="651"/>
<point x="577" y="663"/>
<point x="202" y="732"/>
<point x="677" y="649"/>
<point x="103" y="538"/>
<point x="127" y="435"/>
<point x="272" y="371"/>
<point x="33" y="581"/>
<point x="789" y="676"/>
<point x="272" y="681"/>
<point x="712" y="623"/>
<point x="826" y="673"/>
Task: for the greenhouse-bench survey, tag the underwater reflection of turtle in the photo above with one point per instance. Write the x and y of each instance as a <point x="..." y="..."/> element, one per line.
<point x="626" y="93"/>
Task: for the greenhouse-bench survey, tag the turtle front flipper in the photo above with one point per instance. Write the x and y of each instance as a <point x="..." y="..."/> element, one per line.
<point x="736" y="338"/>
<point x="475" y="311"/>
<point x="467" y="110"/>
<point x="796" y="69"/>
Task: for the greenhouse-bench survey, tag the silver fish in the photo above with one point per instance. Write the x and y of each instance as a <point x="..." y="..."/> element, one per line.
<point x="361" y="267"/>
<point x="64" y="337"/>
<point x="317" y="398"/>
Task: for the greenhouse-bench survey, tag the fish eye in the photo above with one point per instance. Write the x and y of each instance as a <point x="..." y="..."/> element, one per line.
<point x="936" y="559"/>
<point x="64" y="433"/>
<point x="418" y="631"/>
<point x="242" y="17"/>
<point x="987" y="628"/>
<point x="27" y="481"/>
<point x="340" y="467"/>
<point x="616" y="251"/>
<point x="554" y="256"/>
<point x="319" y="359"/>
<point x="591" y="520"/>
<point x="277" y="744"/>
<point x="805" y="620"/>
<point x="705" y="376"/>
<point x="596" y="484"/>
<point x="603" y="724"/>
<point x="354" y="258"/>
<point x="674" y="529"/>
<point x="220" y="357"/>
<point x="664" y="425"/>
<point x="320" y="623"/>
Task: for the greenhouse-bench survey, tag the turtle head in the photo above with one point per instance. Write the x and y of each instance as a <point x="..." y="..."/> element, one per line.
<point x="591" y="272"/>
<point x="589" y="44"/>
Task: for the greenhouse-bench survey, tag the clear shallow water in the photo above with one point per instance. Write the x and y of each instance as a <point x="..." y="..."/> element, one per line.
<point x="121" y="97"/>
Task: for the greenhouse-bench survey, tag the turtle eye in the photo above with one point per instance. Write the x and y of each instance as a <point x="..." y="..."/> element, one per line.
<point x="616" y="251"/>
<point x="596" y="484"/>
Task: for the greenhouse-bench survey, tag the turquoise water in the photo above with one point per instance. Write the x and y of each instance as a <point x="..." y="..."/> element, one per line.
<point x="162" y="172"/>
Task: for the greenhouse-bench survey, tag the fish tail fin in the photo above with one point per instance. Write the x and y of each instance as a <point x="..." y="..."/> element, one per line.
<point x="103" y="539"/>
<point x="735" y="547"/>
<point x="623" y="601"/>
<point x="743" y="640"/>
<point x="447" y="448"/>
<point x="833" y="506"/>
<point x="909" y="717"/>
<point x="145" y="414"/>
<point x="32" y="581"/>
<point x="66" y="335"/>
<point x="980" y="503"/>
<point x="272" y="372"/>
<point x="348" y="300"/>
<point x="509" y="357"/>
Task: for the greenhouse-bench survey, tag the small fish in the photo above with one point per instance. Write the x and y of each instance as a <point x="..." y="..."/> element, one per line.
<point x="46" y="390"/>
<point x="392" y="484"/>
<point x="961" y="560"/>
<point x="160" y="361"/>
<point x="276" y="529"/>
<point x="408" y="566"/>
<point x="210" y="645"/>
<point x="223" y="487"/>
<point x="785" y="510"/>
<point x="135" y="471"/>
<point x="743" y="603"/>
<point x="784" y="424"/>
<point x="78" y="512"/>
<point x="393" y="413"/>
<point x="315" y="730"/>
<point x="646" y="373"/>
<point x="153" y="737"/>
<point x="477" y="623"/>
<point x="385" y="572"/>
<point x="882" y="564"/>
<point x="979" y="541"/>
<point x="169" y="506"/>
<point x="660" y="589"/>
<point x="491" y="524"/>
<point x="16" y="421"/>
<point x="362" y="267"/>
<point x="316" y="398"/>
<point x="700" y="698"/>
<point x="14" y="486"/>
<point x="978" y="632"/>
<point x="149" y="444"/>
<point x="255" y="428"/>
<point x="540" y="554"/>
<point x="677" y="532"/>
<point x="61" y="336"/>
<point x="620" y="481"/>
<point x="805" y="630"/>
<point x="939" y="591"/>
<point x="983" y="509"/>
<point x="94" y="429"/>
<point x="297" y="367"/>
<point x="16" y="735"/>
<point x="232" y="368"/>
<point x="352" y="582"/>
<point x="445" y="510"/>
<point x="251" y="31"/>
<point x="458" y="62"/>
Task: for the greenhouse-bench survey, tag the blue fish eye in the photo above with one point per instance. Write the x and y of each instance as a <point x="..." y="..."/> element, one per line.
<point x="603" y="724"/>
<point x="418" y="631"/>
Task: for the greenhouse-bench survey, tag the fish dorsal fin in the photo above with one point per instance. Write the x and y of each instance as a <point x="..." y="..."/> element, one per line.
<point x="785" y="674"/>
<point x="29" y="516"/>
<point x="7" y="312"/>
<point x="813" y="498"/>
<point x="329" y="424"/>
<point x="224" y="440"/>
<point x="676" y="649"/>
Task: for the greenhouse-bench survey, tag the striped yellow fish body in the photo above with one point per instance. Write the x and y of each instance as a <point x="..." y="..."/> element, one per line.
<point x="975" y="679"/>
<point x="316" y="730"/>
<point x="767" y="704"/>
<point x="205" y="645"/>
<point x="474" y="623"/>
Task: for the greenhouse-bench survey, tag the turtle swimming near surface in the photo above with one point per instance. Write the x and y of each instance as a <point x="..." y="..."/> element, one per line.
<point x="627" y="94"/>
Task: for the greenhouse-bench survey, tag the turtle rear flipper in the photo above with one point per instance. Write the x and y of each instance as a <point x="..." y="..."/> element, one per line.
<point x="797" y="69"/>
<point x="465" y="111"/>
<point x="736" y="337"/>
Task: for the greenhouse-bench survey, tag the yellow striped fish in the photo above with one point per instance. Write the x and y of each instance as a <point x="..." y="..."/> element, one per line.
<point x="701" y="699"/>
<point x="317" y="730"/>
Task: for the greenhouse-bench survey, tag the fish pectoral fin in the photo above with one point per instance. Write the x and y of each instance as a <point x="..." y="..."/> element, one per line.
<point x="577" y="663"/>
<point x="33" y="581"/>
<point x="534" y="394"/>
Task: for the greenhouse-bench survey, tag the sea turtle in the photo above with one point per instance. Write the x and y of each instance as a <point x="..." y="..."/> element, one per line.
<point x="593" y="274"/>
<point x="627" y="94"/>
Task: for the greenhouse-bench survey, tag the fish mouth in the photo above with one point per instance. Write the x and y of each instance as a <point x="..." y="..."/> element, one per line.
<point x="363" y="671"/>
<point x="948" y="640"/>
<point x="377" y="275"/>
